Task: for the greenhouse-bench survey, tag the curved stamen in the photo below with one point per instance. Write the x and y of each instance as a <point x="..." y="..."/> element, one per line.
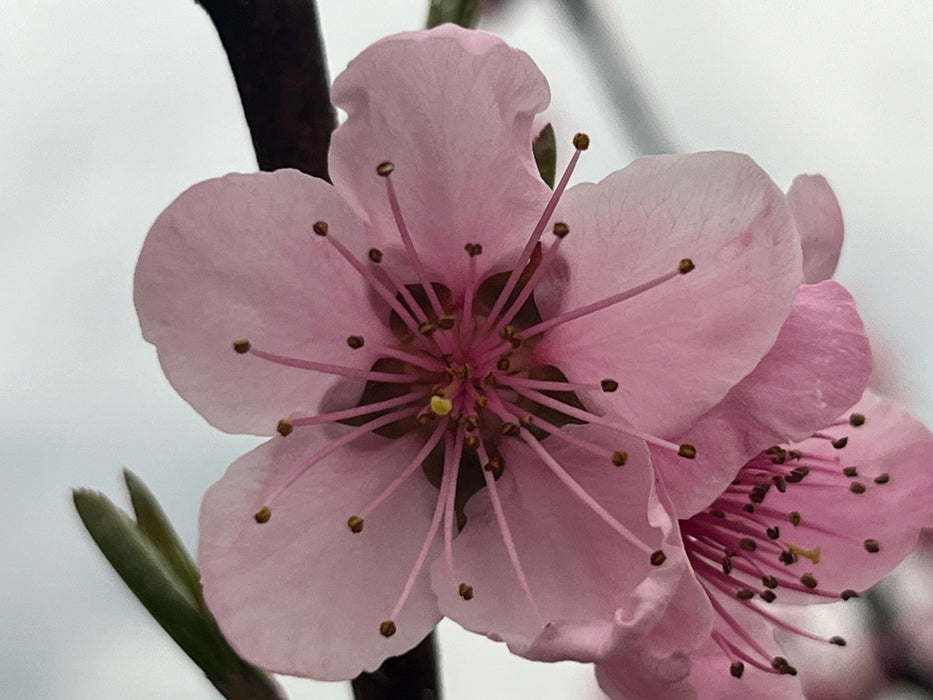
<point x="505" y="532"/>
<point x="325" y="368"/>
<point x="580" y="145"/>
<point x="385" y="171"/>
<point x="581" y="311"/>
<point x="357" y="411"/>
<point x="335" y="445"/>
<point x="407" y="471"/>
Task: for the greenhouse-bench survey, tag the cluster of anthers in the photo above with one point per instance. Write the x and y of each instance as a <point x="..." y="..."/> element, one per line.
<point x="749" y="547"/>
<point x="463" y="372"/>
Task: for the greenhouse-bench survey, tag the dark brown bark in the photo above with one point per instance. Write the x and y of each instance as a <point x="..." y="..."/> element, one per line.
<point x="277" y="55"/>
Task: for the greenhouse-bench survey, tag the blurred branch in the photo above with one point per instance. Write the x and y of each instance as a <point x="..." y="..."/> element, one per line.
<point x="412" y="676"/>
<point x="462" y="12"/>
<point x="609" y="59"/>
<point x="277" y="55"/>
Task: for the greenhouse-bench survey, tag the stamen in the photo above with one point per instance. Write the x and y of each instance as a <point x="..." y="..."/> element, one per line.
<point x="535" y="236"/>
<point x="335" y="445"/>
<point x="384" y="170"/>
<point x="356" y="411"/>
<point x="599" y="305"/>
<point x="387" y="377"/>
<point x="490" y="478"/>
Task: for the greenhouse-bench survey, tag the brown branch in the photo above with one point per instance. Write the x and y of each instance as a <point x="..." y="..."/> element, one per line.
<point x="277" y="55"/>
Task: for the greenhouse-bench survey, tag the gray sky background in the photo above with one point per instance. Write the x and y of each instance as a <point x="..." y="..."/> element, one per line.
<point x="110" y="108"/>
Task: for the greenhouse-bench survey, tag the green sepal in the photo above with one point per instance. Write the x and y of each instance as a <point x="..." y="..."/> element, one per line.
<point x="151" y="519"/>
<point x="166" y="592"/>
<point x="544" y="148"/>
<point x="462" y="12"/>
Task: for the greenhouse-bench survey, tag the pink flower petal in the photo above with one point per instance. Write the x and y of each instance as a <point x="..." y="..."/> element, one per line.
<point x="595" y="591"/>
<point x="236" y="258"/>
<point x="816" y="370"/>
<point x="453" y="110"/>
<point x="818" y="217"/>
<point x="892" y="446"/>
<point x="302" y="594"/>
<point x="678" y="348"/>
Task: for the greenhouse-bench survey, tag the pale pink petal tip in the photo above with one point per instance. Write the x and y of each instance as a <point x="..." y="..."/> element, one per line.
<point x="818" y="217"/>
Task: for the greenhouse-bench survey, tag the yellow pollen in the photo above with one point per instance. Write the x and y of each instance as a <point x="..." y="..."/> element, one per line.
<point x="811" y="554"/>
<point x="441" y="405"/>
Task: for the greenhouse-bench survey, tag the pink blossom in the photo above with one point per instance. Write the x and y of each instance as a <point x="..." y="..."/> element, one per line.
<point x="815" y="521"/>
<point x="817" y="368"/>
<point x="464" y="394"/>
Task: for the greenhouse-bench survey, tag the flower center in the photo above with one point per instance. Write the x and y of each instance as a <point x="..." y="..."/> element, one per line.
<point x="756" y="540"/>
<point x="463" y="376"/>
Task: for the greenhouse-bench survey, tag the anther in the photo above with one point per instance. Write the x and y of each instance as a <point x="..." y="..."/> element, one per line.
<point x="473" y="249"/>
<point x="686" y="265"/>
<point x="492" y="465"/>
<point x="466" y="591"/>
<point x="736" y="669"/>
<point x="768" y="596"/>
<point x="427" y="328"/>
<point x="241" y="346"/>
<point x="355" y="523"/>
<point x="857" y="419"/>
<point x="263" y="515"/>
<point x="773" y="532"/>
<point x="758" y="493"/>
<point x="658" y="557"/>
<point x="581" y="141"/>
<point x="387" y="628"/>
<point x="848" y="593"/>
<point x="619" y="458"/>
<point x="794" y="518"/>
<point x="481" y="402"/>
<point x="727" y="565"/>
<point x="840" y="443"/>
<point x="445" y="322"/>
<point x="748" y="544"/>
<point x="441" y="405"/>
<point x="284" y="427"/>
<point x="509" y="429"/>
<point x="355" y="341"/>
<point x="779" y="664"/>
<point x="850" y="472"/>
<point x="856" y="487"/>
<point x="385" y="169"/>
<point x="375" y="255"/>
<point x="320" y="228"/>
<point x="872" y="546"/>
<point x="503" y="364"/>
<point x="779" y="482"/>
<point x="882" y="478"/>
<point x="526" y="420"/>
<point x="744" y="594"/>
<point x="561" y="229"/>
<point x="837" y="640"/>
<point x="687" y="451"/>
<point x="609" y="385"/>
<point x="769" y="581"/>
<point x="808" y="580"/>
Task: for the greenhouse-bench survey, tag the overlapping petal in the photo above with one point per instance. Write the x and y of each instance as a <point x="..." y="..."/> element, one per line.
<point x="817" y="369"/>
<point x="818" y="218"/>
<point x="236" y="258"/>
<point x="891" y="457"/>
<point x="302" y="594"/>
<point x="595" y="591"/>
<point x="453" y="110"/>
<point x="677" y="349"/>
